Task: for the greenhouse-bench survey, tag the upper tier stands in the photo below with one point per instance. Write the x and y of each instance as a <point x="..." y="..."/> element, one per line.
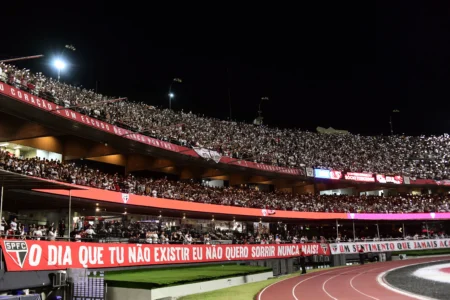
<point x="196" y="192"/>
<point x="424" y="157"/>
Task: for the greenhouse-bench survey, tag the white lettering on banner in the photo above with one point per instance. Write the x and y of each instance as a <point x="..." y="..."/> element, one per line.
<point x="348" y="248"/>
<point x="236" y="252"/>
<point x="58" y="256"/>
<point x="310" y="249"/>
<point x="263" y="251"/>
<point x="197" y="253"/>
<point x="34" y="257"/>
<point x="117" y="255"/>
<point x="89" y="255"/>
<point x="171" y="254"/>
<point x="291" y="250"/>
<point x="213" y="253"/>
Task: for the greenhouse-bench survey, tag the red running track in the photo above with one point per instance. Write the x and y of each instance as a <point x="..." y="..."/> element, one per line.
<point x="347" y="283"/>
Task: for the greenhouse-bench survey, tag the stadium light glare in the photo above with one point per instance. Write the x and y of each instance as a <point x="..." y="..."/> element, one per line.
<point x="59" y="64"/>
<point x="171" y="95"/>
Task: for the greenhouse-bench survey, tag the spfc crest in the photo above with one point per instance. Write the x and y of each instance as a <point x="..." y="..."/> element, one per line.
<point x="17" y="250"/>
<point x="125" y="198"/>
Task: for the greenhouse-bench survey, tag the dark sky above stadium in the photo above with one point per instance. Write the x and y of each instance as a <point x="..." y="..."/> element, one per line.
<point x="342" y="66"/>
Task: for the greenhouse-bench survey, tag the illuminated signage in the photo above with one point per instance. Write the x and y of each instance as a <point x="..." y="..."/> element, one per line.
<point x="381" y="178"/>
<point x="394" y="179"/>
<point x="354" y="176"/>
<point x="335" y="174"/>
<point x="320" y="173"/>
<point x="389" y="179"/>
<point x="365" y="177"/>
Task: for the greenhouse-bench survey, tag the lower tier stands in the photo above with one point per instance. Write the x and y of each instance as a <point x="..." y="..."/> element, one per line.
<point x="232" y="196"/>
<point x="152" y="233"/>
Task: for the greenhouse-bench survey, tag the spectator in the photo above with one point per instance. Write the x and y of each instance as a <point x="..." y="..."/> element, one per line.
<point x="51" y="234"/>
<point x="61" y="228"/>
<point x="38" y="233"/>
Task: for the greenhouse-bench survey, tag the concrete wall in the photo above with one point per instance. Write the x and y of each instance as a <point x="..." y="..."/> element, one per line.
<point x="23" y="280"/>
<point x="44" y="216"/>
<point x="115" y="293"/>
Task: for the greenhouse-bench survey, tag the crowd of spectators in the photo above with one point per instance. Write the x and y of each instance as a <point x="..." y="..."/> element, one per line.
<point x="424" y="157"/>
<point x="154" y="233"/>
<point x="235" y="196"/>
<point x="18" y="230"/>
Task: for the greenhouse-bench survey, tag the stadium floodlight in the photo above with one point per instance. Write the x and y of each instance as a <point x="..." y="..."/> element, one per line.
<point x="60" y="65"/>
<point x="171" y="95"/>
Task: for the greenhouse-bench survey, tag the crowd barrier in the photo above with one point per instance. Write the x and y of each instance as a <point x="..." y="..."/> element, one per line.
<point x="161" y="203"/>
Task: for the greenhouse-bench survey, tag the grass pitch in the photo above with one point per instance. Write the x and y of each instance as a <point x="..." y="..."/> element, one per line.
<point x="156" y="278"/>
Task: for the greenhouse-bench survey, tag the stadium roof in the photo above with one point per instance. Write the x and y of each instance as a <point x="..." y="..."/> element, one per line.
<point x="11" y="180"/>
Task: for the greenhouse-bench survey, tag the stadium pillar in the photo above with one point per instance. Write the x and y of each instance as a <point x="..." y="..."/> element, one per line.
<point x="1" y="219"/>
<point x="1" y="203"/>
<point x="69" y="223"/>
<point x="354" y="232"/>
<point x="337" y="228"/>
<point x="378" y="230"/>
<point x="404" y="233"/>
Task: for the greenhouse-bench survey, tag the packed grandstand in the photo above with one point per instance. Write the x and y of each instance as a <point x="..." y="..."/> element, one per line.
<point x="236" y="196"/>
<point x="314" y="195"/>
<point x="418" y="157"/>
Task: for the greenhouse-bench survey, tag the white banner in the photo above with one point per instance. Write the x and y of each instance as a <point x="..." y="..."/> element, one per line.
<point x="406" y="180"/>
<point x="208" y="154"/>
<point x="349" y="248"/>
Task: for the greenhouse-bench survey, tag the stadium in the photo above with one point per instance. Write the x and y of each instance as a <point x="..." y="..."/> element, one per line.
<point x="105" y="197"/>
<point x="60" y="198"/>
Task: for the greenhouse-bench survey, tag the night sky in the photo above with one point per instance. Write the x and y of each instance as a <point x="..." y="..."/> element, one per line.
<point x="345" y="67"/>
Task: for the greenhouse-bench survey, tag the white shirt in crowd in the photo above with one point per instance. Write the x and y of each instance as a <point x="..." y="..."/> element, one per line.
<point x="38" y="234"/>
<point x="13" y="225"/>
<point x="188" y="239"/>
<point x="78" y="237"/>
<point x="155" y="238"/>
<point x="51" y="236"/>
